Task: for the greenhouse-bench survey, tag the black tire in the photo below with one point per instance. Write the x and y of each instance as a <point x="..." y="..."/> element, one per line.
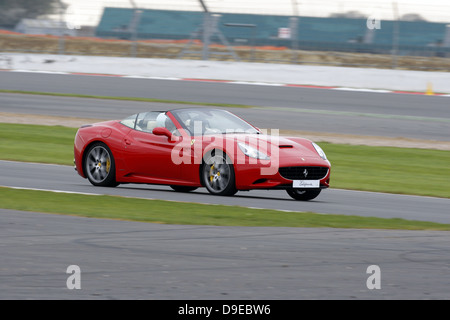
<point x="183" y="188"/>
<point x="217" y="175"/>
<point x="303" y="194"/>
<point x="99" y="165"/>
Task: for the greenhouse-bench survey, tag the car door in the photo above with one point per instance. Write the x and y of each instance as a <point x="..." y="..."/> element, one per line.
<point x="147" y="154"/>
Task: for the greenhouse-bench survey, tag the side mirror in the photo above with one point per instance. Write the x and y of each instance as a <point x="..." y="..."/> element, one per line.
<point x="160" y="131"/>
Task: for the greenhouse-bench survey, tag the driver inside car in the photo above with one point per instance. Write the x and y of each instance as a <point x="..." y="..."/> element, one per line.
<point x="164" y="121"/>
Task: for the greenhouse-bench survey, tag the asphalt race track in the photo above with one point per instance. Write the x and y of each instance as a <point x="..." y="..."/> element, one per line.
<point x="334" y="201"/>
<point x="129" y="260"/>
<point x="358" y="113"/>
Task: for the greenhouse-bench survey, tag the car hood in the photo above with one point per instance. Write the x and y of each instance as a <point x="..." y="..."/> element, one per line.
<point x="285" y="146"/>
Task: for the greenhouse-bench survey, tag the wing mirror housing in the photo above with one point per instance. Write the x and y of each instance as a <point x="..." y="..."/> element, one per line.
<point x="161" y="131"/>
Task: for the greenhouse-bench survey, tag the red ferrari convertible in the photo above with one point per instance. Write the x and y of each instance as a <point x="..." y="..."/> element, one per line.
<point x="199" y="147"/>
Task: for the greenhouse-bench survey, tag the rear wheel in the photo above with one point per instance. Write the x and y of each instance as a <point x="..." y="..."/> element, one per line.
<point x="99" y="165"/>
<point x="303" y="194"/>
<point x="183" y="188"/>
<point x="218" y="175"/>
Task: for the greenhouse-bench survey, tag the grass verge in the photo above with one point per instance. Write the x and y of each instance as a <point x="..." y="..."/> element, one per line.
<point x="383" y="169"/>
<point x="168" y="212"/>
<point x="388" y="169"/>
<point x="35" y="143"/>
<point x="74" y="95"/>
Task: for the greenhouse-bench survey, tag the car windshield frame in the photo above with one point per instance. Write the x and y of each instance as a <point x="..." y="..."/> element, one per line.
<point x="203" y="122"/>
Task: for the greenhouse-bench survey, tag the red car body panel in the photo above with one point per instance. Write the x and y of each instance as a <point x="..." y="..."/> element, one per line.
<point x="142" y="157"/>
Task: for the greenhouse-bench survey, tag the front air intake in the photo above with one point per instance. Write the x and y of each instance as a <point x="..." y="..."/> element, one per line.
<point x="303" y="173"/>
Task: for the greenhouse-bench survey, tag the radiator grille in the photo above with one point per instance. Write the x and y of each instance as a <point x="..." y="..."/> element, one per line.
<point x="303" y="173"/>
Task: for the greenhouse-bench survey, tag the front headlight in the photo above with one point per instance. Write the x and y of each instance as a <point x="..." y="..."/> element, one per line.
<point x="252" y="152"/>
<point x="320" y="151"/>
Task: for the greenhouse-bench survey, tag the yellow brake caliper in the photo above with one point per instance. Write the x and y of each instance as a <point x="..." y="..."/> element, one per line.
<point x="211" y="175"/>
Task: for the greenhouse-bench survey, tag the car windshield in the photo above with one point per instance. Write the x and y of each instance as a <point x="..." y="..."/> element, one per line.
<point x="211" y="121"/>
<point x="147" y="121"/>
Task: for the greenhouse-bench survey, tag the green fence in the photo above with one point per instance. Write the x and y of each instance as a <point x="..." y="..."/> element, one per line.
<point x="324" y="34"/>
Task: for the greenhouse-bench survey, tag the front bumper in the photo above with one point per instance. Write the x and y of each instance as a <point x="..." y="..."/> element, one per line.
<point x="264" y="176"/>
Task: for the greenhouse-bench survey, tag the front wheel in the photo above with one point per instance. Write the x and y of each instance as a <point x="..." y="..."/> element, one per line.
<point x="100" y="166"/>
<point x="303" y="194"/>
<point x="218" y="175"/>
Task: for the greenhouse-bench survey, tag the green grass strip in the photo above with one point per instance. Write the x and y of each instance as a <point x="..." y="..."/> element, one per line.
<point x="423" y="172"/>
<point x="36" y="143"/>
<point x="169" y="212"/>
<point x="74" y="95"/>
<point x="383" y="169"/>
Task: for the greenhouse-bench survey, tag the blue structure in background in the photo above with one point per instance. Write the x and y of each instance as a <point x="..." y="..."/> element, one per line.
<point x="321" y="34"/>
